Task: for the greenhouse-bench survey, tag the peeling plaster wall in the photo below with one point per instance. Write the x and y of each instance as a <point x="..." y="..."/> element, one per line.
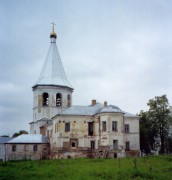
<point x="103" y="140"/>
<point x="78" y="130"/>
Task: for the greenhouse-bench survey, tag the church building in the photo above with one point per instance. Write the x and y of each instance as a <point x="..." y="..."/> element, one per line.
<point x="96" y="130"/>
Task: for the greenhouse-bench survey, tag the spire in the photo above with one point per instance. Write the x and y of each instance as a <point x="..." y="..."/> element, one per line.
<point x="53" y="72"/>
<point x="53" y="34"/>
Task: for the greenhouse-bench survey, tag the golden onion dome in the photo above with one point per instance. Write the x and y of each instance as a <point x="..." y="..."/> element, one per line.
<point x="53" y="35"/>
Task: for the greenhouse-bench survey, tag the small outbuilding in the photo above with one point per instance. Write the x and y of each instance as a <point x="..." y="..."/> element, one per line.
<point x="27" y="146"/>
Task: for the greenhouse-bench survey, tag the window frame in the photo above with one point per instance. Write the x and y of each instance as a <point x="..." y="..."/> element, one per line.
<point x="127" y="128"/>
<point x="104" y="126"/>
<point x="127" y="145"/>
<point x="14" y="148"/>
<point x="92" y="144"/>
<point x="114" y="126"/>
<point x="35" y="147"/>
<point x="68" y="100"/>
<point x="90" y="129"/>
<point x="67" y="127"/>
<point x="115" y="144"/>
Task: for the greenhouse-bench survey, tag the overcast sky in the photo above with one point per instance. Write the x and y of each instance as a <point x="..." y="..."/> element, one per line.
<point x="118" y="51"/>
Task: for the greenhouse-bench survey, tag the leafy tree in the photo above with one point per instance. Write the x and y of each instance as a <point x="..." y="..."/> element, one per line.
<point x="5" y="135"/>
<point x="19" y="133"/>
<point x="147" y="133"/>
<point x="155" y="123"/>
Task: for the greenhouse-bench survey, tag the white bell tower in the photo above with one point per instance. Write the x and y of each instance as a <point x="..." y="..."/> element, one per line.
<point x="52" y="93"/>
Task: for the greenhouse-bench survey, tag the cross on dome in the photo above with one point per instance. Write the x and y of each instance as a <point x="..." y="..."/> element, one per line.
<point x="53" y="24"/>
<point x="53" y="34"/>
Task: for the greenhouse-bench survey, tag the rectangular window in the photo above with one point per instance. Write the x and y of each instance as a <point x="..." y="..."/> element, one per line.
<point x="127" y="129"/>
<point x="92" y="144"/>
<point x="90" y="128"/>
<point x="13" y="148"/>
<point x="48" y="134"/>
<point x="35" y="148"/>
<point x="67" y="127"/>
<point x="114" y="126"/>
<point x="104" y="125"/>
<point x="115" y="144"/>
<point x="26" y="148"/>
<point x="127" y="145"/>
<point x="56" y="127"/>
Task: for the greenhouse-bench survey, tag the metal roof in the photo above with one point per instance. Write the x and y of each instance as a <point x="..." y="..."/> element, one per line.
<point x="82" y="110"/>
<point x="4" y="139"/>
<point x="93" y="110"/>
<point x="44" y="118"/>
<point x="109" y="109"/>
<point x="53" y="72"/>
<point x="29" y="138"/>
<point x="126" y="114"/>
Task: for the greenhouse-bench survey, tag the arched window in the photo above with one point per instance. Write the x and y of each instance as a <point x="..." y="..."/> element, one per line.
<point x="68" y="100"/>
<point x="58" y="99"/>
<point x="45" y="99"/>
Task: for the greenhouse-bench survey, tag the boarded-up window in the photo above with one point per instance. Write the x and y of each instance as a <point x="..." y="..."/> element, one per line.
<point x="115" y="144"/>
<point x="66" y="145"/>
<point x="92" y="144"/>
<point x="56" y="127"/>
<point x="39" y="104"/>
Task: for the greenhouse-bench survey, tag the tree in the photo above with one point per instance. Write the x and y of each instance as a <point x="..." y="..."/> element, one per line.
<point x="5" y="135"/>
<point x="147" y="133"/>
<point x="155" y="124"/>
<point x="19" y="133"/>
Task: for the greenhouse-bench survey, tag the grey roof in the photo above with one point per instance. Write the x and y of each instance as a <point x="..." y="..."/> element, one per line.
<point x="109" y="109"/>
<point x="94" y="109"/>
<point x="53" y="72"/>
<point x="82" y="110"/>
<point x="44" y="118"/>
<point x="29" y="138"/>
<point x="126" y="114"/>
<point x="4" y="139"/>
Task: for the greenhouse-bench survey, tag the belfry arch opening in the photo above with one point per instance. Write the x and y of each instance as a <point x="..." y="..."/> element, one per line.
<point x="68" y="100"/>
<point x="45" y="99"/>
<point x="59" y="99"/>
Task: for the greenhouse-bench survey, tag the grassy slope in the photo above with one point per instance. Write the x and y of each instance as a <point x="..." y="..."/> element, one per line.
<point x="159" y="167"/>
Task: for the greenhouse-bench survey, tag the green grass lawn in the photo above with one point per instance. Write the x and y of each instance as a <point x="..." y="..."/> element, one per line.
<point x="155" y="167"/>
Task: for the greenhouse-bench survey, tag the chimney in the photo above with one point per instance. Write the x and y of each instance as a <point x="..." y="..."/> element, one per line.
<point x="93" y="102"/>
<point x="105" y="103"/>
